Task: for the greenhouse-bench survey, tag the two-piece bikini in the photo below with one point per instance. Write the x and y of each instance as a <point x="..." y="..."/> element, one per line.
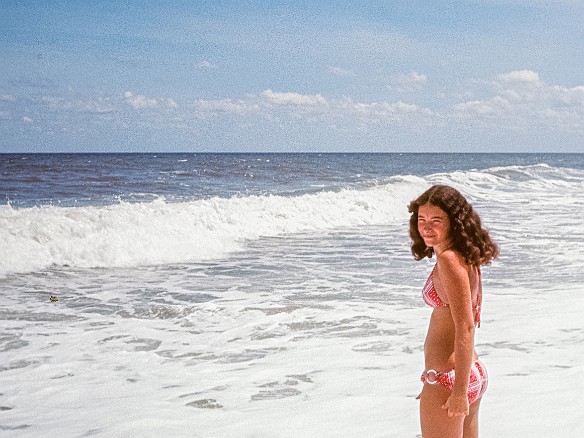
<point x="479" y="378"/>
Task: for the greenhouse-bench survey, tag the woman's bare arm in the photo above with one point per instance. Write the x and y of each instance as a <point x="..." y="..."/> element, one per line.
<point x="455" y="280"/>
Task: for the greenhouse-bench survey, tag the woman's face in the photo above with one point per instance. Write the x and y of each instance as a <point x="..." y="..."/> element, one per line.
<point x="433" y="225"/>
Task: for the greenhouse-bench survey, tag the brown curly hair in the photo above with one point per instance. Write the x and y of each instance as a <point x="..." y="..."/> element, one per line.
<point x="469" y="238"/>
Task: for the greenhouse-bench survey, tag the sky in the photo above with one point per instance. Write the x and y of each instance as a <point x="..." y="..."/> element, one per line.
<point x="292" y="76"/>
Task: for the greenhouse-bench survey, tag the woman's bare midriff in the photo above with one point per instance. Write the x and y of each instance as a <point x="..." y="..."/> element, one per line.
<point x="439" y="344"/>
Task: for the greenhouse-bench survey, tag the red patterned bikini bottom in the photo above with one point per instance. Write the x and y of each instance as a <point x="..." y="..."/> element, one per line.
<point x="477" y="384"/>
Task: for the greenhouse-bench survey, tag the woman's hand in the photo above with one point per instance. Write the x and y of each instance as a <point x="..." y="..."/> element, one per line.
<point x="456" y="405"/>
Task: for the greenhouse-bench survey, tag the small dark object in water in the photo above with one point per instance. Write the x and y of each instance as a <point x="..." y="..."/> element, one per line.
<point x="53" y="299"/>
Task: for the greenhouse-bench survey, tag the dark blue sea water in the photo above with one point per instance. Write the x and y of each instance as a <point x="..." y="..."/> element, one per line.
<point x="100" y="179"/>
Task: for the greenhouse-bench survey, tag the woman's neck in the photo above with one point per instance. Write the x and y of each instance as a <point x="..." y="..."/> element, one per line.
<point x="441" y="247"/>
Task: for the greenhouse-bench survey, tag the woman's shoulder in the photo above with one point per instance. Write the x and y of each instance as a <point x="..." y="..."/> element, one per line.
<point x="451" y="257"/>
<point x="451" y="261"/>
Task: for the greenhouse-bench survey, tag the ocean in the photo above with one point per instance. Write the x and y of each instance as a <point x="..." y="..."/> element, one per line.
<point x="274" y="295"/>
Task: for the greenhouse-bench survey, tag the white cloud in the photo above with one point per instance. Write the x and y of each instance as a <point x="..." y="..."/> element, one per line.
<point x="206" y="107"/>
<point x="520" y="76"/>
<point x="391" y="115"/>
<point x="206" y="65"/>
<point x="522" y="99"/>
<point x="267" y="104"/>
<point x="341" y="72"/>
<point x="97" y="105"/>
<point x="492" y="106"/>
<point x="170" y="103"/>
<point x="514" y="101"/>
<point x="272" y="106"/>
<point x="138" y="102"/>
<point x="388" y="109"/>
<point x="413" y="81"/>
<point x="294" y="98"/>
<point x="517" y="102"/>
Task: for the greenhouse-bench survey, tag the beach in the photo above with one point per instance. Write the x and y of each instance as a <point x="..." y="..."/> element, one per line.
<point x="275" y="300"/>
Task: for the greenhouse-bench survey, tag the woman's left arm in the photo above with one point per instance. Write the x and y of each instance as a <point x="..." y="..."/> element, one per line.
<point x="454" y="277"/>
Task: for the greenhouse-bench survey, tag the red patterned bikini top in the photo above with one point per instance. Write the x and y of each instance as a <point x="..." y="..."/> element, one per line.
<point x="432" y="299"/>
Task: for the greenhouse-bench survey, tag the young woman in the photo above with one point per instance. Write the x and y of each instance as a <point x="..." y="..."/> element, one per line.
<point x="443" y="223"/>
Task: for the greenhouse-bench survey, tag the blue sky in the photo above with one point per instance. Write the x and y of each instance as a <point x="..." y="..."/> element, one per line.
<point x="389" y="76"/>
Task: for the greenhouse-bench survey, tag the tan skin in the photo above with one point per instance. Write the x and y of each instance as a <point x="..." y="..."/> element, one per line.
<point x="450" y="340"/>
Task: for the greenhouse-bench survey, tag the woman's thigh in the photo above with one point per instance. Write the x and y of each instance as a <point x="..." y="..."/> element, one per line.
<point x="471" y="422"/>
<point x="434" y="420"/>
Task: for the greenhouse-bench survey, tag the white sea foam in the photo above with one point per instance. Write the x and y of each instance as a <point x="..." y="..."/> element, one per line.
<point x="134" y="234"/>
<point x="159" y="232"/>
